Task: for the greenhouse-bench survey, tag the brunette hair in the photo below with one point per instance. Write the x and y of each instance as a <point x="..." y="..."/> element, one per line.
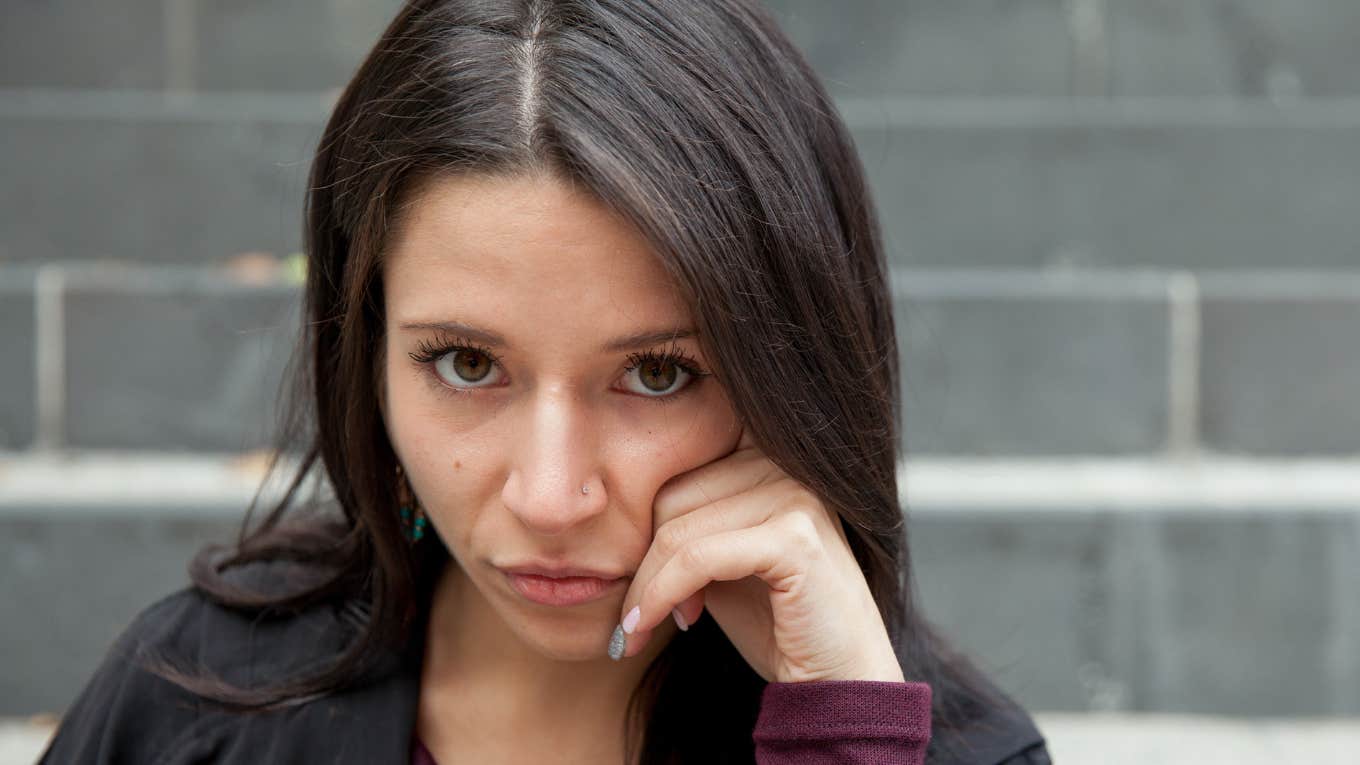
<point x="701" y="124"/>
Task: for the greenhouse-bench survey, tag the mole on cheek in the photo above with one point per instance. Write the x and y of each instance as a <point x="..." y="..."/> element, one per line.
<point x="457" y="464"/>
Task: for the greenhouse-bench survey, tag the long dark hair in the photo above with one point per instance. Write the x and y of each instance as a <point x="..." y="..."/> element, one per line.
<point x="701" y="124"/>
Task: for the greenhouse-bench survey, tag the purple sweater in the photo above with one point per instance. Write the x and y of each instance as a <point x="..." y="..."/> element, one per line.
<point x="837" y="722"/>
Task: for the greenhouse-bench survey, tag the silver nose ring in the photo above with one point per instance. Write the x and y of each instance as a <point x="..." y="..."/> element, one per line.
<point x="585" y="489"/>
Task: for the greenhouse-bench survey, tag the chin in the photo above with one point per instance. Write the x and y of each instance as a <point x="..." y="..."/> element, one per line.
<point x="586" y="642"/>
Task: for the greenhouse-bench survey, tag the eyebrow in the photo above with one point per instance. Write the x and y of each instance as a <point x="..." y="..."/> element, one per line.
<point x="487" y="337"/>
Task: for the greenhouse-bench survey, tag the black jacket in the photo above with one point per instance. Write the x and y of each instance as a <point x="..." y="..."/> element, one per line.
<point x="126" y="715"/>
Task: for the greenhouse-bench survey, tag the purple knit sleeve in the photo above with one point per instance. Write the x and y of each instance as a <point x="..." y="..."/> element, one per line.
<point x="859" y="722"/>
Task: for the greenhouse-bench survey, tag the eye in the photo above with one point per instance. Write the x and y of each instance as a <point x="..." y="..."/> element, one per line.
<point x="458" y="365"/>
<point x="464" y="365"/>
<point x="662" y="375"/>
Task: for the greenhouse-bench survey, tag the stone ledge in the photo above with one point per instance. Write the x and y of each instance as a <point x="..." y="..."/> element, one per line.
<point x="1221" y="593"/>
<point x="1212" y="484"/>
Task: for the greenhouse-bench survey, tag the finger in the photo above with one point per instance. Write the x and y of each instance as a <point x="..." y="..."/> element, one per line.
<point x="743" y="510"/>
<point x="689" y="610"/>
<point x="711" y="482"/>
<point x="760" y="551"/>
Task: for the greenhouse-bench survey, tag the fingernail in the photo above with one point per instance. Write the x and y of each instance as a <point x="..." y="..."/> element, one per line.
<point x="617" y="642"/>
<point x="630" y="621"/>
<point x="679" y="620"/>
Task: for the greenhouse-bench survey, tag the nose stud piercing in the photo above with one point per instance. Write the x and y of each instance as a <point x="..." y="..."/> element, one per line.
<point x="585" y="489"/>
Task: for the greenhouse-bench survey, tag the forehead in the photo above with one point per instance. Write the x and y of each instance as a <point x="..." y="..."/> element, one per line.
<point x="535" y="247"/>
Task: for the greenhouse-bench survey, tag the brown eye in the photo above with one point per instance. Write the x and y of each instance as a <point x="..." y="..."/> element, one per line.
<point x="471" y="365"/>
<point x="463" y="366"/>
<point x="657" y="376"/>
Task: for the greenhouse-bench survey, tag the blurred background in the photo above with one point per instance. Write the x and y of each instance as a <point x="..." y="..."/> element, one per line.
<point x="1126" y="247"/>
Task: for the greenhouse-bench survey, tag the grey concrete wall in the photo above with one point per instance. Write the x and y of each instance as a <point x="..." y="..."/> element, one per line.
<point x="1237" y="610"/>
<point x="73" y="579"/>
<point x="988" y="48"/>
<point x="994" y="362"/>
<point x="1119" y="229"/>
<point x="1015" y="134"/>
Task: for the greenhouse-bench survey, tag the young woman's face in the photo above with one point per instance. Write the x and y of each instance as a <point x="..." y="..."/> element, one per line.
<point x="533" y="389"/>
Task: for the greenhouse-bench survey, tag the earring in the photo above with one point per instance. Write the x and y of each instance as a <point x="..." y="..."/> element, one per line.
<point x="413" y="528"/>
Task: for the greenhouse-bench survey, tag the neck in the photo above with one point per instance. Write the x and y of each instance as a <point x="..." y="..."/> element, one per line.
<point x="486" y="679"/>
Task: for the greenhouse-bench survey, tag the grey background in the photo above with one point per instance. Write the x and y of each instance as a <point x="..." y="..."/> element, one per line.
<point x="1120" y="229"/>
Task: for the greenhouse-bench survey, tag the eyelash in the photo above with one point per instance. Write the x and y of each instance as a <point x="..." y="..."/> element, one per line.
<point x="427" y="353"/>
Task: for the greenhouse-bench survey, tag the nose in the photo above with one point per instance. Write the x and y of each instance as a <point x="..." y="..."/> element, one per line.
<point x="555" y="454"/>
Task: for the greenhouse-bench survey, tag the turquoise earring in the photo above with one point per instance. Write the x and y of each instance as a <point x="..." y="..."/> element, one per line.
<point x="413" y="528"/>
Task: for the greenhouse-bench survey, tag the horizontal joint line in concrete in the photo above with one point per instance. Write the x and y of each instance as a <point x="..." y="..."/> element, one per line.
<point x="308" y="107"/>
<point x="1135" y="283"/>
<point x="313" y="106"/>
<point x="142" y="278"/>
<point x="1221" y="483"/>
<point x="1095" y="112"/>
<point x="1210" y="484"/>
<point x="908" y="282"/>
<point x="913" y="282"/>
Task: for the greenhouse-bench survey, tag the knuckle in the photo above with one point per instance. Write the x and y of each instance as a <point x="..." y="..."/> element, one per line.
<point x="802" y="532"/>
<point x="669" y="537"/>
<point x="691" y="556"/>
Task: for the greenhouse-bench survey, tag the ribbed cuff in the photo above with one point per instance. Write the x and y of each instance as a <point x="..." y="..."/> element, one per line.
<point x="834" y="709"/>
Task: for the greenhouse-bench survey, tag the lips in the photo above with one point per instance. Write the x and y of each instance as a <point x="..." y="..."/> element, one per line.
<point x="565" y="591"/>
<point x="562" y="571"/>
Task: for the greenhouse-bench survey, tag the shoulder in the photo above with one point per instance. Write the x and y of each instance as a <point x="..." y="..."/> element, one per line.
<point x="126" y="712"/>
<point x="234" y="645"/>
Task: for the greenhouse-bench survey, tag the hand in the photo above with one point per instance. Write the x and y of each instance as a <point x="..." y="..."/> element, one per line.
<point x="773" y="567"/>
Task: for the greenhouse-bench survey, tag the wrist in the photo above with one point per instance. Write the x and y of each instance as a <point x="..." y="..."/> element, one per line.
<point x="885" y="675"/>
<point x="884" y="671"/>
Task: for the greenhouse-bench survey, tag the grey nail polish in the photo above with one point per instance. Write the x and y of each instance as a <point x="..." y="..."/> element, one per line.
<point x="617" y="643"/>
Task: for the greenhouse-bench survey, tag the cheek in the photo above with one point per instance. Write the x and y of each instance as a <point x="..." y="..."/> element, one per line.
<point x="446" y="454"/>
<point x="684" y="437"/>
<point x="671" y="444"/>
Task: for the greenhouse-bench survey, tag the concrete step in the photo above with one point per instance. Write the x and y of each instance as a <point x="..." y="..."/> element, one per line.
<point x="138" y="358"/>
<point x="995" y="362"/>
<point x="145" y="176"/>
<point x="985" y="48"/>
<point x="1215" y="587"/>
<point x="1251" y="48"/>
<point x="869" y="48"/>
<point x="1202" y="185"/>
<point x="189" y="44"/>
<point x="999" y="362"/>
<point x="874" y="48"/>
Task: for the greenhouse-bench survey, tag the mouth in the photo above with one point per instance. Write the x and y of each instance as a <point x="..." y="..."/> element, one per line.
<point x="556" y="570"/>
<point x="561" y="590"/>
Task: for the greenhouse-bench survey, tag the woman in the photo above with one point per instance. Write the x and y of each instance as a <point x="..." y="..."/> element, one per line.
<point x="604" y="387"/>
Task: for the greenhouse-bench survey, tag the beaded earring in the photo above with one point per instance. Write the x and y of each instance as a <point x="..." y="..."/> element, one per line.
<point x="414" y="528"/>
